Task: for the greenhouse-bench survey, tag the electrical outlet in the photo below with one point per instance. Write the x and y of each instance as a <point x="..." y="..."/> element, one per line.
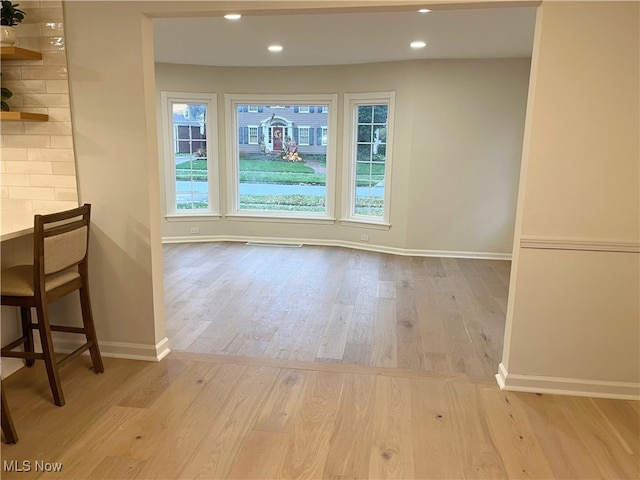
<point x="364" y="238"/>
<point x="194" y="230"/>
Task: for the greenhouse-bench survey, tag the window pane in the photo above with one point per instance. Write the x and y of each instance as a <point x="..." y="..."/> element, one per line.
<point x="303" y="136"/>
<point x="364" y="152"/>
<point x="190" y="156"/>
<point x="365" y="133"/>
<point x="365" y="114"/>
<point x="380" y="114"/>
<point x="285" y="170"/>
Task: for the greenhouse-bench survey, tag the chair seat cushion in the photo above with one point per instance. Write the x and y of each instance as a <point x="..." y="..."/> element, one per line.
<point x="18" y="281"/>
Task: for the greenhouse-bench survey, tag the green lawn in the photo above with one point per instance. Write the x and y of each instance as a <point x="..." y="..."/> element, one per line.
<point x="262" y="169"/>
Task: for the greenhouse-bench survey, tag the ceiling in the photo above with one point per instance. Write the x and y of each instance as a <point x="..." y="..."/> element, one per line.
<point x="347" y="38"/>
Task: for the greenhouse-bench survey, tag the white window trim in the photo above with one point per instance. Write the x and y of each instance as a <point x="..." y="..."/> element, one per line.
<point x="351" y="102"/>
<point x="323" y="135"/>
<point x="307" y="128"/>
<point x="257" y="135"/>
<point x="210" y="100"/>
<point x="252" y="109"/>
<point x="231" y="107"/>
<point x="306" y="107"/>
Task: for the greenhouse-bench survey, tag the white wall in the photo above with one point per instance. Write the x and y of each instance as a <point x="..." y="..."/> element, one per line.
<point x="456" y="153"/>
<point x="574" y="298"/>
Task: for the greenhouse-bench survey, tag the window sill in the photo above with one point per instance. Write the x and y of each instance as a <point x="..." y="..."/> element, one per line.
<point x="251" y="217"/>
<point x="192" y="217"/>
<point x="366" y="224"/>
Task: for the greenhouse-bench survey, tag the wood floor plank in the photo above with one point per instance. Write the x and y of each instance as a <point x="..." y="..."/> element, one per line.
<point x="280" y="409"/>
<point x="310" y="441"/>
<point x="410" y="349"/>
<point x="511" y="431"/>
<point x="617" y="414"/>
<point x="116" y="467"/>
<point x="433" y="426"/>
<point x="260" y="456"/>
<point x="480" y="454"/>
<point x="334" y="338"/>
<point x="561" y="443"/>
<point x="600" y="440"/>
<point x="351" y="443"/>
<point x="384" y="348"/>
<point x="392" y="449"/>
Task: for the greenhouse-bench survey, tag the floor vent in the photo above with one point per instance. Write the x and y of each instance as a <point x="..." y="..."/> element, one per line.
<point x="286" y="245"/>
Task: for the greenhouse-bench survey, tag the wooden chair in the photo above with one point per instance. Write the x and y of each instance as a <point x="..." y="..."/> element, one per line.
<point x="59" y="267"/>
<point x="10" y="434"/>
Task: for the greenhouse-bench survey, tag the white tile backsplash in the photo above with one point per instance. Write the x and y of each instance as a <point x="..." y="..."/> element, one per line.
<point x="37" y="163"/>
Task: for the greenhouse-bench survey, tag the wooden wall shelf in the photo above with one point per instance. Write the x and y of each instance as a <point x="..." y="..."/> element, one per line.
<point x="17" y="53"/>
<point x="23" y="116"/>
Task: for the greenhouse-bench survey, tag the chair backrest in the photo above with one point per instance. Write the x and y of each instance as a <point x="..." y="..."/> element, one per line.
<point x="61" y="240"/>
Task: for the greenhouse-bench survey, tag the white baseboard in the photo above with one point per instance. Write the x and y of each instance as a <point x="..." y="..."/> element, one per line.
<point x="131" y="351"/>
<point x="340" y="243"/>
<point x="567" y="386"/>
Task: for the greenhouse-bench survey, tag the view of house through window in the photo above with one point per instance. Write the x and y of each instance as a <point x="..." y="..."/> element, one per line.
<point x="371" y="153"/>
<point x="190" y="154"/>
<point x="282" y="157"/>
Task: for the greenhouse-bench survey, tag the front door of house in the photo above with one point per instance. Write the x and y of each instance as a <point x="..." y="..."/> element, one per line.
<point x="277" y="138"/>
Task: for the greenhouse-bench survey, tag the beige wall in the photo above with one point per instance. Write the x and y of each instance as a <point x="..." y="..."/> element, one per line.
<point x="573" y="306"/>
<point x="456" y="154"/>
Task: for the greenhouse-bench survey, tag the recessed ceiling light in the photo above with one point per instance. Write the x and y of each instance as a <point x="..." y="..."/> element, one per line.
<point x="424" y="10"/>
<point x="418" y="44"/>
<point x="233" y="16"/>
<point x="275" y="48"/>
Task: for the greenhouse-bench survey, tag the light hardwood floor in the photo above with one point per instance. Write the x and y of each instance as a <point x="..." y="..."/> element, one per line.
<point x="318" y="363"/>
<point x="215" y="416"/>
<point x="337" y="305"/>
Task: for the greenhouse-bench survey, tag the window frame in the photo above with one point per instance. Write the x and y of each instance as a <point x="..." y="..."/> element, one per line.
<point x="303" y="127"/>
<point x="169" y="141"/>
<point x="257" y="142"/>
<point x="324" y="132"/>
<point x="252" y="108"/>
<point x="350" y="164"/>
<point x="233" y="211"/>
<point x="306" y="108"/>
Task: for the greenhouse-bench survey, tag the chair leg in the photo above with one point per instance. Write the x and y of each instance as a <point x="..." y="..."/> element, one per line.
<point x="25" y="314"/>
<point x="10" y="434"/>
<point x="90" y="330"/>
<point x="49" y="355"/>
